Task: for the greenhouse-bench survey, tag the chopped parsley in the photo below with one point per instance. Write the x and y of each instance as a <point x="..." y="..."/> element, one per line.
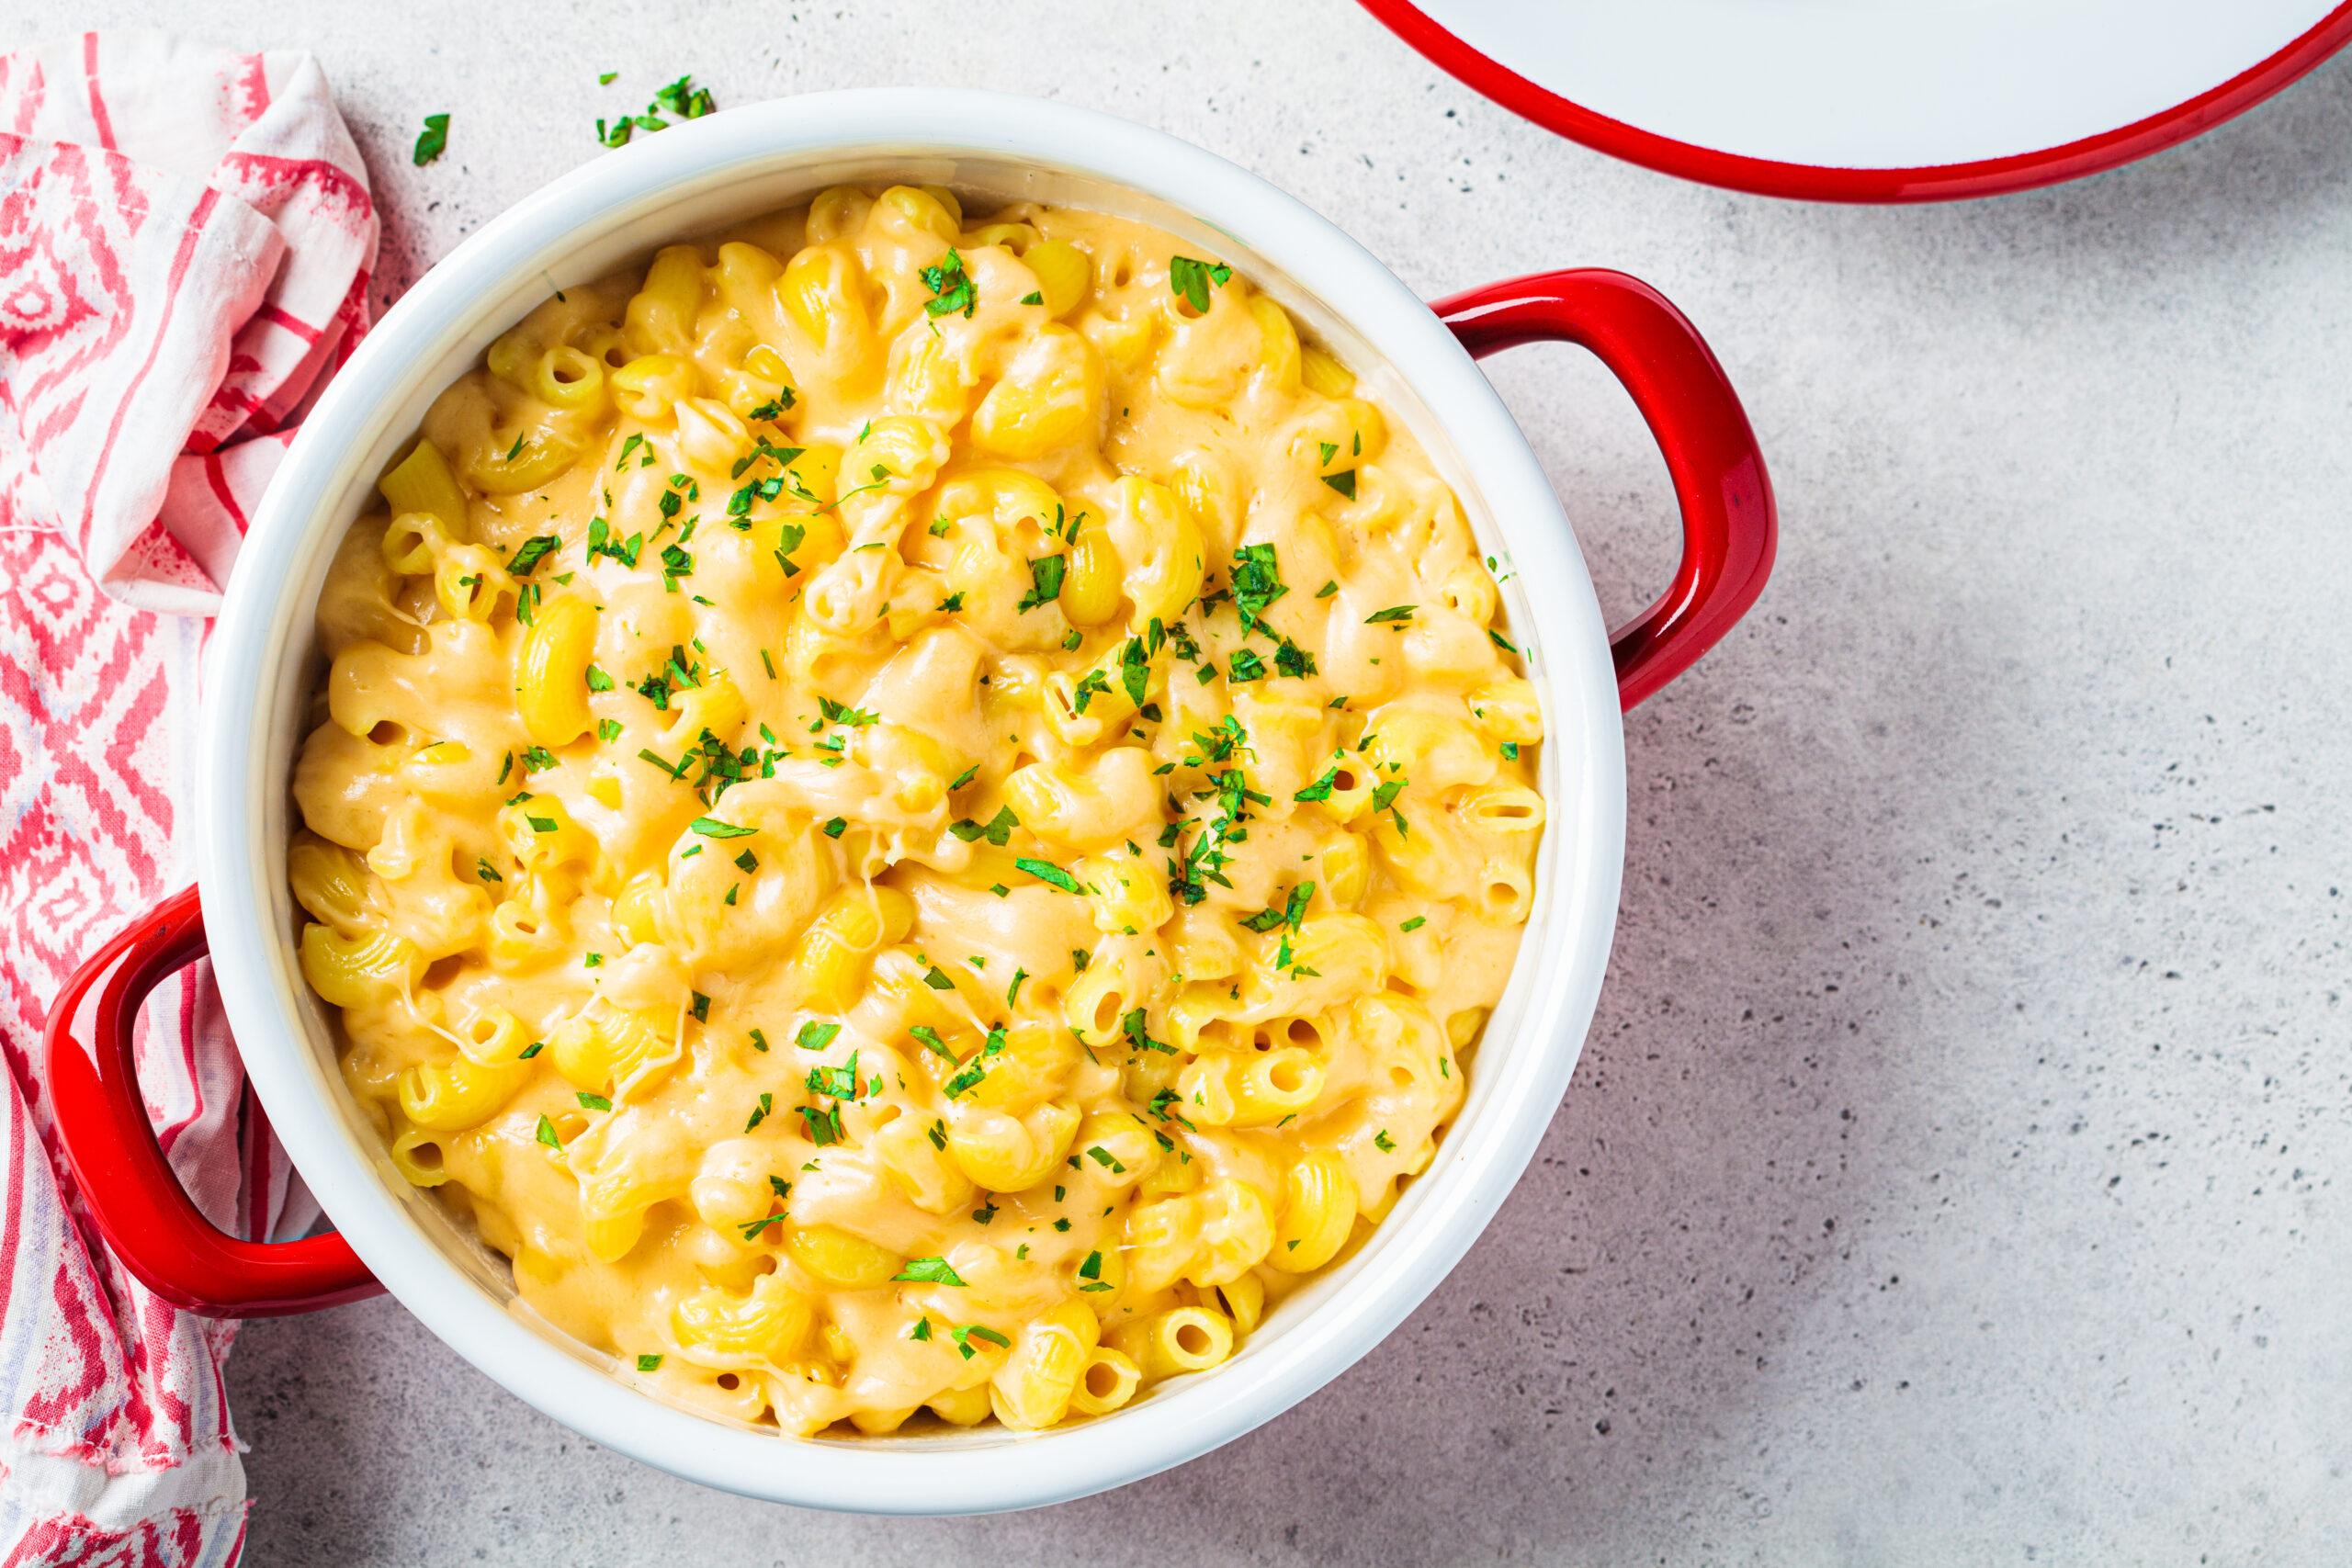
<point x="647" y="1364"/>
<point x="1383" y="1143"/>
<point x="1289" y="913"/>
<point x="823" y="1128"/>
<point x="1189" y="279"/>
<point x="1415" y="923"/>
<point x="951" y="287"/>
<point x="712" y="828"/>
<point x="997" y="831"/>
<point x="971" y="1331"/>
<point x="835" y="713"/>
<point x="1257" y="583"/>
<point x="930" y="1272"/>
<point x="1045" y="582"/>
<point x="1391" y="615"/>
<point x="767" y="1104"/>
<point x="1046" y="871"/>
<point x="602" y="542"/>
<point x="816" y="1036"/>
<point x="434" y="140"/>
<point x="1344" y="482"/>
<point x="836" y="1083"/>
<point x="531" y="552"/>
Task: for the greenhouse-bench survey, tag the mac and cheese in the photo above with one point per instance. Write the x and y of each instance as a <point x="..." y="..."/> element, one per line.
<point x="914" y="813"/>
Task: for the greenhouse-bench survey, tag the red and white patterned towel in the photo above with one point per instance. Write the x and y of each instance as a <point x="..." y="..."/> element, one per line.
<point x="186" y="238"/>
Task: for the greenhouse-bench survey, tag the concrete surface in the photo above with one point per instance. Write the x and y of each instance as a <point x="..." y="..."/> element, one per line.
<point x="1950" y="1174"/>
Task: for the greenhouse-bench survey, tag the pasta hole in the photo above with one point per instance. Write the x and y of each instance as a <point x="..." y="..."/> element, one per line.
<point x="1106" y="1013"/>
<point x="388" y="732"/>
<point x="1302" y="1032"/>
<point x="426" y="1156"/>
<point x="1402" y="1078"/>
<point x="728" y="1381"/>
<point x="1102" y="1379"/>
<point x="1123" y="274"/>
<point x="1286" y="1076"/>
<point x="1192" y="1339"/>
<point x="439" y="976"/>
<point x="1343" y="781"/>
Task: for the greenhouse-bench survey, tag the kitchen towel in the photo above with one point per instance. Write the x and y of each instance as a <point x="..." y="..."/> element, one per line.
<point x="185" y="241"/>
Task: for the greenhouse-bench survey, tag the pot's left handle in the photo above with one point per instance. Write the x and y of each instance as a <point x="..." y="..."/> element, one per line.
<point x="126" y="1185"/>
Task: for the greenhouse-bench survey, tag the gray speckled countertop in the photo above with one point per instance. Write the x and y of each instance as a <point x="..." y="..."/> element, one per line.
<point x="1950" y="1177"/>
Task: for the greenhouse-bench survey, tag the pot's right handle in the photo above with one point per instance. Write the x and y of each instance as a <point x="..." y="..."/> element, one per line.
<point x="126" y="1185"/>
<point x="1729" y="530"/>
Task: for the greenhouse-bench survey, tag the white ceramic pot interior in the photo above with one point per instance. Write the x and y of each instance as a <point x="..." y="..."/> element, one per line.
<point x="688" y="181"/>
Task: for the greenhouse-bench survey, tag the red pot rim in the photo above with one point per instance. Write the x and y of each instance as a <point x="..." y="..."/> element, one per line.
<point x="1810" y="182"/>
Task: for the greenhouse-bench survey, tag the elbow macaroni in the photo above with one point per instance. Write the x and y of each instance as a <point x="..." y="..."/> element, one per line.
<point x="917" y="824"/>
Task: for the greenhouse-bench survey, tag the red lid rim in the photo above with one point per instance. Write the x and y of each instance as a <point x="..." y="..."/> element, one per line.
<point x="1808" y="181"/>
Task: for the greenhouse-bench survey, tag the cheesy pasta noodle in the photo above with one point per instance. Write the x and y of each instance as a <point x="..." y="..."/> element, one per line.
<point x="914" y="813"/>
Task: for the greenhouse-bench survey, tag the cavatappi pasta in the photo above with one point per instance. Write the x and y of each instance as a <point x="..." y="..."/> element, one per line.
<point x="911" y="812"/>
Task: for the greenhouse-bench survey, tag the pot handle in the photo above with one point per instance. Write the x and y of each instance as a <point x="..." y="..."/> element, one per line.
<point x="126" y="1185"/>
<point x="1729" y="529"/>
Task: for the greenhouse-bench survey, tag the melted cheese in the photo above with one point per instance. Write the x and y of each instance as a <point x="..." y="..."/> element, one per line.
<point x="913" y="812"/>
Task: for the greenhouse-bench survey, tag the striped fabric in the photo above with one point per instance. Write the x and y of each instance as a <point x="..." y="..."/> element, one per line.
<point x="186" y="238"/>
